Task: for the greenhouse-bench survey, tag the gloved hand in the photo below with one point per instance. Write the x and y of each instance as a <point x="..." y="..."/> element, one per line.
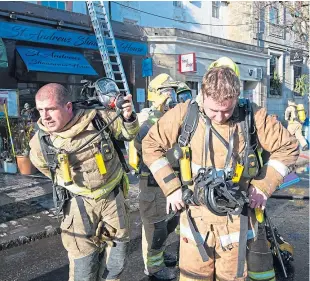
<point x="258" y="199"/>
<point x="127" y="107"/>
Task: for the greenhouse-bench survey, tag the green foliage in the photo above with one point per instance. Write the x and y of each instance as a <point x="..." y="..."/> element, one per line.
<point x="275" y="84"/>
<point x="302" y="85"/>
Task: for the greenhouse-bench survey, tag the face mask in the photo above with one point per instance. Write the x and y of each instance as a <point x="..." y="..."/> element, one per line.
<point x="109" y="94"/>
<point x="184" y="96"/>
<point x="172" y="99"/>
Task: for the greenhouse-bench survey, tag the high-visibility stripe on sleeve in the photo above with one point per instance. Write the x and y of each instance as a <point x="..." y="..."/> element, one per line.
<point x="158" y="164"/>
<point x="279" y="167"/>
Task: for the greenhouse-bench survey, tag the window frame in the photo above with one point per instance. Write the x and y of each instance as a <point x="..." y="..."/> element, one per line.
<point x="57" y="4"/>
<point x="216" y="9"/>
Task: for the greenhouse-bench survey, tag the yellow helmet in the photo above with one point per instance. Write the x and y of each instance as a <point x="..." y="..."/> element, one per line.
<point x="225" y="61"/>
<point x="160" y="82"/>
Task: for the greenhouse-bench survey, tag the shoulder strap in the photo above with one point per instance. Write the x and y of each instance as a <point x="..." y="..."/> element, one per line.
<point x="99" y="123"/>
<point x="190" y="123"/>
<point x="48" y="150"/>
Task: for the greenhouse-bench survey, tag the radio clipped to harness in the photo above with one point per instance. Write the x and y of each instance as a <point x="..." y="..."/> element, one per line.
<point x="185" y="166"/>
<point x="63" y="161"/>
<point x="100" y="163"/>
<point x="238" y="173"/>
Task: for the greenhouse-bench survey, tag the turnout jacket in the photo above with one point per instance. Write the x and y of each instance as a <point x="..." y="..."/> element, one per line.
<point x="271" y="135"/>
<point x="87" y="179"/>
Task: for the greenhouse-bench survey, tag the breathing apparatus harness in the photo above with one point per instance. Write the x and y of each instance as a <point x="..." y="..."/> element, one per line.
<point x="218" y="190"/>
<point x="59" y="158"/>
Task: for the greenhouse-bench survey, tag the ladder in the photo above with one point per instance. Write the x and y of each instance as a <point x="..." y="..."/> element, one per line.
<point x="107" y="46"/>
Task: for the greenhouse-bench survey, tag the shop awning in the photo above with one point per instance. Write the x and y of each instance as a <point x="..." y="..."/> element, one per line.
<point x="53" y="60"/>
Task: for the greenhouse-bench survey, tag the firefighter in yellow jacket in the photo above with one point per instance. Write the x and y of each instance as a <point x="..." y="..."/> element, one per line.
<point x="164" y="93"/>
<point x="215" y="145"/>
<point x="89" y="183"/>
<point x="292" y="115"/>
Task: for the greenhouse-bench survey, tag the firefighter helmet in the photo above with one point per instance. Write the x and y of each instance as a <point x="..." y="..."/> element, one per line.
<point x="157" y="89"/>
<point x="225" y="61"/>
<point x="183" y="92"/>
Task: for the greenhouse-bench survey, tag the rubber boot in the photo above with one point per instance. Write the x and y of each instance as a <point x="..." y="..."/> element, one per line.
<point x="167" y="273"/>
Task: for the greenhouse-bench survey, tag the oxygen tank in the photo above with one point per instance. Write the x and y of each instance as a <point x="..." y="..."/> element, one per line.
<point x="301" y="112"/>
<point x="133" y="157"/>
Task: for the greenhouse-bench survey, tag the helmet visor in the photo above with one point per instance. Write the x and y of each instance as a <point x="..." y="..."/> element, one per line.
<point x="172" y="97"/>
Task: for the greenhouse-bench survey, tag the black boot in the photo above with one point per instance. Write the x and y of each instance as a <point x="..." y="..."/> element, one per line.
<point x="167" y="273"/>
<point x="170" y="259"/>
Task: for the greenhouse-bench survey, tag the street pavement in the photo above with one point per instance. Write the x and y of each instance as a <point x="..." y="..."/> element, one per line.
<point x="27" y="214"/>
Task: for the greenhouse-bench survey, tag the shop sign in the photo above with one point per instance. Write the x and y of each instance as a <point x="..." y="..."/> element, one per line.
<point x="296" y="56"/>
<point x="58" y="61"/>
<point x="64" y="38"/>
<point x="147" y="67"/>
<point x="187" y="63"/>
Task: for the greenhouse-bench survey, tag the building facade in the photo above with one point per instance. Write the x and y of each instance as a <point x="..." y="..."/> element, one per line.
<point x="264" y="25"/>
<point x="43" y="44"/>
<point x="274" y="26"/>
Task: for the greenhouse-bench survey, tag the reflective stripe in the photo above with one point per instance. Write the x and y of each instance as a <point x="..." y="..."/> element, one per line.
<point x="266" y="275"/>
<point x="279" y="167"/>
<point x="158" y="164"/>
<point x="84" y="191"/>
<point x="133" y="131"/>
<point x="155" y="260"/>
<point x="234" y="237"/>
<point x="195" y="168"/>
<point x="186" y="232"/>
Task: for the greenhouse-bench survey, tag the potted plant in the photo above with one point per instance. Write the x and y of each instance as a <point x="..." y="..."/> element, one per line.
<point x="23" y="131"/>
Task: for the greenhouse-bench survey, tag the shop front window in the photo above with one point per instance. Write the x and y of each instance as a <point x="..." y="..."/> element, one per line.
<point x="275" y="82"/>
<point x="61" y="5"/>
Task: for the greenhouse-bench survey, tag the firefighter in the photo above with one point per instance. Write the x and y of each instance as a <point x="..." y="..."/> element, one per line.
<point x="183" y="92"/>
<point x="152" y="202"/>
<point x="90" y="184"/>
<point x="294" y="118"/>
<point x="221" y="180"/>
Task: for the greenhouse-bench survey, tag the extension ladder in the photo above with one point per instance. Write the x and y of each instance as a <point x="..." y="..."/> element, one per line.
<point x="107" y="46"/>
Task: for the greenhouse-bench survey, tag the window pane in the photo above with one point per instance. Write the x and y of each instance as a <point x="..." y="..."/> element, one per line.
<point x="273" y="15"/>
<point x="215" y="9"/>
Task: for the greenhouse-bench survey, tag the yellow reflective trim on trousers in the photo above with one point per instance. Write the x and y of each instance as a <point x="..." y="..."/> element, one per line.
<point x="155" y="260"/>
<point x="84" y="191"/>
<point x="266" y="275"/>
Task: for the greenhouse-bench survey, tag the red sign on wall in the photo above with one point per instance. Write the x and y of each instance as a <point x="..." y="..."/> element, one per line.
<point x="187" y="63"/>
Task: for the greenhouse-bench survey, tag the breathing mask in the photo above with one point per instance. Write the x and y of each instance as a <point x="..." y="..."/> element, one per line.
<point x="109" y="94"/>
<point x="219" y="195"/>
<point x="171" y="101"/>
